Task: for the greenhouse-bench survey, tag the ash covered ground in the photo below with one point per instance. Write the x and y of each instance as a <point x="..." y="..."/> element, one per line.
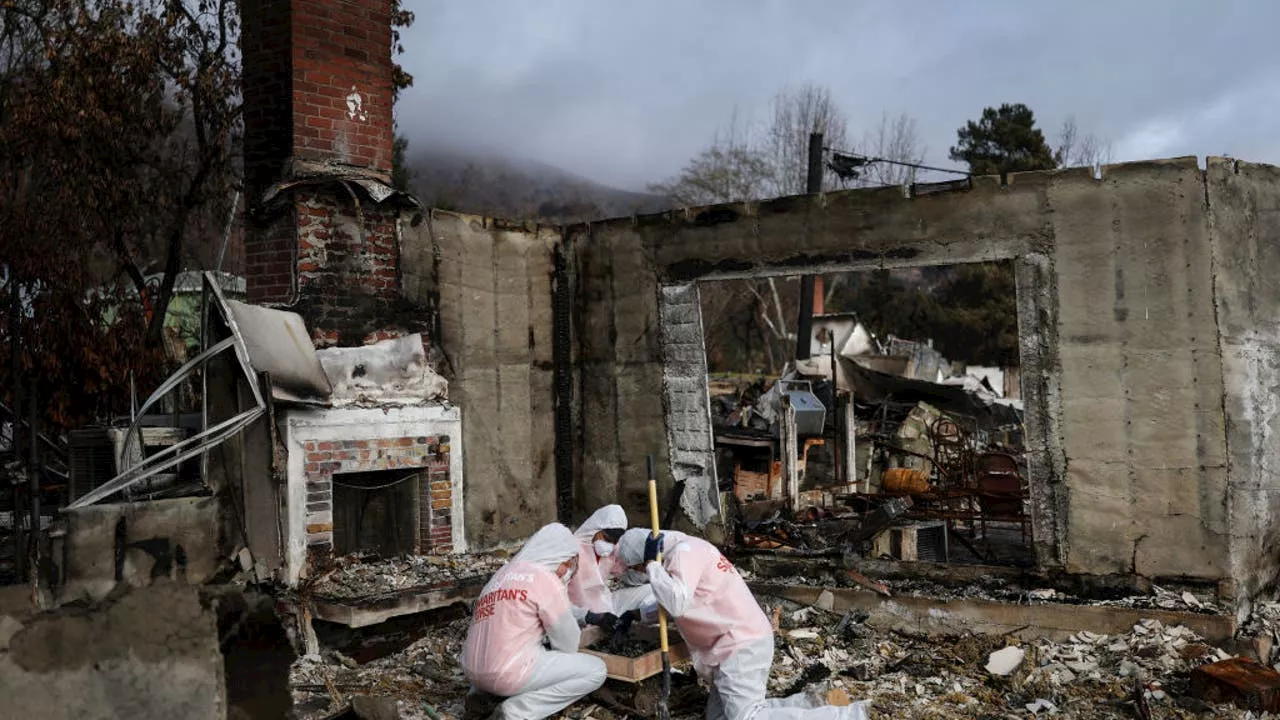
<point x="925" y="676"/>
<point x="356" y="576"/>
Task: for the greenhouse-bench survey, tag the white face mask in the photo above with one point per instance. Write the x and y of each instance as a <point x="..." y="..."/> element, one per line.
<point x="568" y="575"/>
<point x="604" y="548"/>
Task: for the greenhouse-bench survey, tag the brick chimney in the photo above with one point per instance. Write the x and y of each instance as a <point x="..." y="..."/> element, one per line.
<point x="321" y="238"/>
<point x="317" y="86"/>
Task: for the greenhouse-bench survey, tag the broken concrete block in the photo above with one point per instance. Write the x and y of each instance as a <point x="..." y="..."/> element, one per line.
<point x="1081" y="666"/>
<point x="1002" y="662"/>
<point x="1040" y="705"/>
<point x="1239" y="681"/>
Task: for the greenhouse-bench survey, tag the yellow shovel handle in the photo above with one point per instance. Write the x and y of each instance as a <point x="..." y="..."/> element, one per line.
<point x="653" y="515"/>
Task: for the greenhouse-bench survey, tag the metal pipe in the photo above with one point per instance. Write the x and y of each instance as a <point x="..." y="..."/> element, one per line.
<point x="204" y="367"/>
<point x="804" y="326"/>
<point x="813" y="178"/>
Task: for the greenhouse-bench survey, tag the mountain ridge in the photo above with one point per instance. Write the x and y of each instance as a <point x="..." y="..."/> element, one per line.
<point x="515" y="188"/>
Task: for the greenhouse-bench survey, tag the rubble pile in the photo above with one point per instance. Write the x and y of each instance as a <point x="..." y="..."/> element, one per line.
<point x="1145" y="669"/>
<point x="1162" y="599"/>
<point x="1264" y="623"/>
<point x="1002" y="590"/>
<point x="1087" y="676"/>
<point x="358" y="576"/>
<point x="423" y="679"/>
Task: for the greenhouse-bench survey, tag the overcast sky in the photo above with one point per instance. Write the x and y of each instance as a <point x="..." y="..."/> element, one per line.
<point x="625" y="92"/>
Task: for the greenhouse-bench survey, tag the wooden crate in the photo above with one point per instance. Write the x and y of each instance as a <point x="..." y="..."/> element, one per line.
<point x="634" y="670"/>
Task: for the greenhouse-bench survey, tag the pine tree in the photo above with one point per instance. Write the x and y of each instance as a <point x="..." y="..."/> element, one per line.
<point x="1005" y="140"/>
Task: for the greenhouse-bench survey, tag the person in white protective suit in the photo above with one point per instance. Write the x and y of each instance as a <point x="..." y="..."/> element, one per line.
<point x="524" y="605"/>
<point x="728" y="635"/>
<point x="597" y="563"/>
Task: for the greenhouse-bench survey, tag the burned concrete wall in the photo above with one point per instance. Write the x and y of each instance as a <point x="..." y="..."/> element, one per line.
<point x="619" y="368"/>
<point x="147" y="654"/>
<point x="1244" y="207"/>
<point x="1122" y="373"/>
<point x="620" y="265"/>
<point x="493" y="285"/>
<point x="1141" y="375"/>
<point x="184" y="540"/>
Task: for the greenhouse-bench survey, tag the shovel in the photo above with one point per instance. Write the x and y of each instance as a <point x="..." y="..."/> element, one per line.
<point x="664" y="712"/>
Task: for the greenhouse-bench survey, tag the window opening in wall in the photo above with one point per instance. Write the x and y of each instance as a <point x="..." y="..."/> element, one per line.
<point x="376" y="512"/>
<point x="898" y="435"/>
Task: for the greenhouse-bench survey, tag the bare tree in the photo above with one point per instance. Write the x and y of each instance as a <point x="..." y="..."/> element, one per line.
<point x="1076" y="151"/>
<point x="894" y="139"/>
<point x="798" y="112"/>
<point x="744" y="165"/>
<point x="729" y="170"/>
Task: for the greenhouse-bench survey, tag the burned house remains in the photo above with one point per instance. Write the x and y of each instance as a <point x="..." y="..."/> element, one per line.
<point x="403" y="393"/>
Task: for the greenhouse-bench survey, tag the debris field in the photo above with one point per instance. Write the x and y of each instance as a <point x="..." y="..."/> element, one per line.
<point x="1141" y="673"/>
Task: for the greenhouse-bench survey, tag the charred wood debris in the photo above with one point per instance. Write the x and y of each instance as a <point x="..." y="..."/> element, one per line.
<point x="915" y="454"/>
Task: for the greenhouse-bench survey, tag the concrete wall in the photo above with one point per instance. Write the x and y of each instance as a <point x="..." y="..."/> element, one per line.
<point x="1141" y="376"/>
<point x="152" y="653"/>
<point x="493" y="285"/>
<point x="1244" y="205"/>
<point x="188" y="535"/>
<point x="1147" y="338"/>
<point x="1123" y="378"/>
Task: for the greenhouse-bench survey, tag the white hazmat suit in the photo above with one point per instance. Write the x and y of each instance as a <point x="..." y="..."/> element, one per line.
<point x="524" y="605"/>
<point x="589" y="587"/>
<point x="728" y="635"/>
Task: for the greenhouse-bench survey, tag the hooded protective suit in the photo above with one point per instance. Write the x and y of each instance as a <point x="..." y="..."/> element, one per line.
<point x="727" y="633"/>
<point x="589" y="587"/>
<point x="524" y="604"/>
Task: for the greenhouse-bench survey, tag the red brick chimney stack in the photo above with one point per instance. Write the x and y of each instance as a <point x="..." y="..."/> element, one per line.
<point x="317" y="85"/>
<point x="318" y="118"/>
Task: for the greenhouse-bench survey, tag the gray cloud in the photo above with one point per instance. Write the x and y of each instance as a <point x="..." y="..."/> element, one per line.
<point x="624" y="93"/>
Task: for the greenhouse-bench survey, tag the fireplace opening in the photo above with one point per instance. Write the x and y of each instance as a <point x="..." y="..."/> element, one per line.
<point x="376" y="512"/>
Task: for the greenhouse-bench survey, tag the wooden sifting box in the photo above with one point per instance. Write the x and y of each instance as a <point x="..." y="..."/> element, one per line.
<point x="636" y="669"/>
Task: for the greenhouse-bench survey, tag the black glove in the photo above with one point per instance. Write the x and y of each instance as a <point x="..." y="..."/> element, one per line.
<point x="618" y="640"/>
<point x="607" y="621"/>
<point x="624" y="623"/>
<point x="652" y="546"/>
